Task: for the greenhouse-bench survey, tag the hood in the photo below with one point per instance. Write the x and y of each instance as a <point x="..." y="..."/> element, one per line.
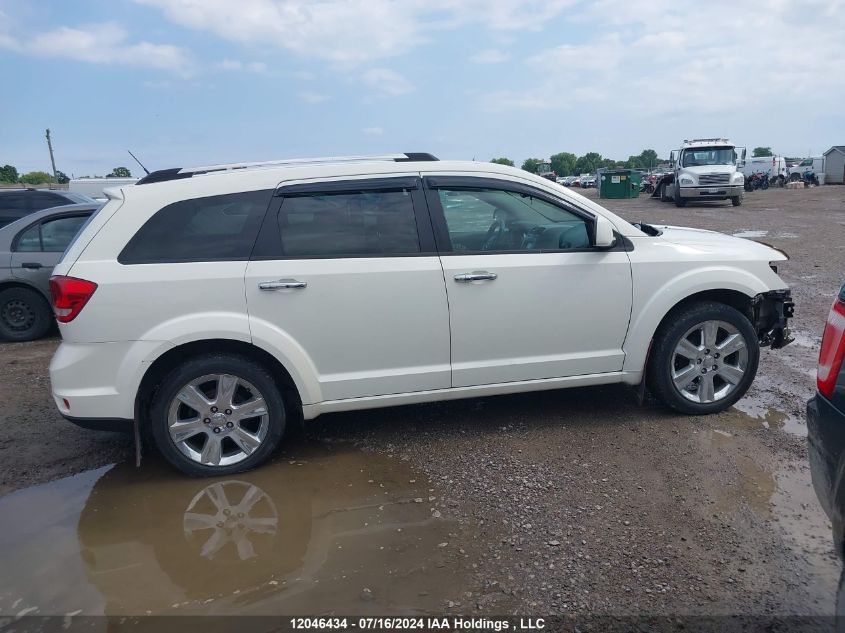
<point x="719" y="244"/>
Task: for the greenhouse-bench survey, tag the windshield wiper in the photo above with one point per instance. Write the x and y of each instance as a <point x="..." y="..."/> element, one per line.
<point x="648" y="229"/>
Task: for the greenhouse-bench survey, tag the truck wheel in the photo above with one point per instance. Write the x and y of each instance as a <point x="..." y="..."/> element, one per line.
<point x="217" y="414"/>
<point x="736" y="200"/>
<point x="704" y="358"/>
<point x="679" y="201"/>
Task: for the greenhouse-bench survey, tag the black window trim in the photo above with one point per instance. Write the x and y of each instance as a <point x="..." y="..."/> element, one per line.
<point x="59" y="216"/>
<point x="268" y="246"/>
<point x="441" y="231"/>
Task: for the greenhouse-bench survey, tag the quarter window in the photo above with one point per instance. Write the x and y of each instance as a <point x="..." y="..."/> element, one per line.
<point x="352" y="224"/>
<point x="30" y="240"/>
<point x="497" y="220"/>
<point x="214" y="228"/>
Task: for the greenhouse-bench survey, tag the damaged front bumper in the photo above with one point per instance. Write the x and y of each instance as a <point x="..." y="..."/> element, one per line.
<point x="771" y="312"/>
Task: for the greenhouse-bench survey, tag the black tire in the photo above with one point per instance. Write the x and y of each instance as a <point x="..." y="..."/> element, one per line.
<point x="794" y="177"/>
<point x="197" y="367"/>
<point x="736" y="200"/>
<point x="667" y="337"/>
<point x="24" y="315"/>
<point x="679" y="201"/>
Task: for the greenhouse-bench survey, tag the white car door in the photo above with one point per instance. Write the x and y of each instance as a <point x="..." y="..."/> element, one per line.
<point x="529" y="297"/>
<point x="347" y="272"/>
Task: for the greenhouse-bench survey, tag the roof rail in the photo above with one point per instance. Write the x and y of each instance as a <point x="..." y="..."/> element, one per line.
<point x="177" y="173"/>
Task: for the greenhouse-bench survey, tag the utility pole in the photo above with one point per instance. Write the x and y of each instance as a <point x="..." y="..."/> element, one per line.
<point x="52" y="160"/>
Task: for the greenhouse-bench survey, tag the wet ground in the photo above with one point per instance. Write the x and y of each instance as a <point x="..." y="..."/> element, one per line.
<point x="575" y="502"/>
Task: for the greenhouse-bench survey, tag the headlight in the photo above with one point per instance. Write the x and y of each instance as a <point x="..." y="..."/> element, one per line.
<point x="739" y="177"/>
<point x="686" y="180"/>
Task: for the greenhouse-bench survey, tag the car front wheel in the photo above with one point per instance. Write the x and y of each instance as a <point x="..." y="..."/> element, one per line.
<point x="216" y="415"/>
<point x="704" y="358"/>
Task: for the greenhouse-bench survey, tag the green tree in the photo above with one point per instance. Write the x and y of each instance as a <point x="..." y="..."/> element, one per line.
<point x="120" y="172"/>
<point x="531" y="164"/>
<point x="648" y="158"/>
<point x="8" y="173"/>
<point x="762" y="151"/>
<point x="563" y="163"/>
<point x="62" y="178"/>
<point x="633" y="162"/>
<point x="502" y="161"/>
<point x="36" y="178"/>
<point x="588" y="163"/>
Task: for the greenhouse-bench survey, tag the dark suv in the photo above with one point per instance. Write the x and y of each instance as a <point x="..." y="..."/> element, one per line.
<point x="826" y="427"/>
<point x="17" y="203"/>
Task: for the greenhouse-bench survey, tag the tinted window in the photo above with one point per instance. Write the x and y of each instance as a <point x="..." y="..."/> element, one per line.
<point x="348" y="224"/>
<point x="497" y="220"/>
<point x="202" y="229"/>
<point x="30" y="240"/>
<point x="57" y="234"/>
<point x="44" y="200"/>
<point x="14" y="202"/>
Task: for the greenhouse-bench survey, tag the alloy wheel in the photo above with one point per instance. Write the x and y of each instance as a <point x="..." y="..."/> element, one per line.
<point x="218" y="419"/>
<point x="709" y="362"/>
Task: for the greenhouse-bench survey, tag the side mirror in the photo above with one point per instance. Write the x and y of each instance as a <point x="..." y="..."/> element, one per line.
<point x="604" y="233"/>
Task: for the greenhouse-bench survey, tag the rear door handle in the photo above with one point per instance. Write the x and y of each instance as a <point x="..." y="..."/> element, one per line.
<point x="32" y="265"/>
<point x="478" y="275"/>
<point x="282" y="284"/>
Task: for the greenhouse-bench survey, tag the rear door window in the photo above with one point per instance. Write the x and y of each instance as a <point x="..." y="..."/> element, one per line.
<point x="215" y="228"/>
<point x="349" y="224"/>
<point x="57" y="234"/>
<point x="51" y="235"/>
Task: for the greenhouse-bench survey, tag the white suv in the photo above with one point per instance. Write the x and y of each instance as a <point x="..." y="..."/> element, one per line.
<point x="210" y="305"/>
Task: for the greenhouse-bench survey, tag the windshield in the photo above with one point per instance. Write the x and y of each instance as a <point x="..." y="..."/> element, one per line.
<point x="708" y="156"/>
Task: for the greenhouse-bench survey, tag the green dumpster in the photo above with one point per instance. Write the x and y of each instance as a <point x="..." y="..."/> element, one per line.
<point x="619" y="183"/>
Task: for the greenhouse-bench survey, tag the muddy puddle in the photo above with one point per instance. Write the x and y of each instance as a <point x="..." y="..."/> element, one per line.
<point x="777" y="491"/>
<point x="324" y="526"/>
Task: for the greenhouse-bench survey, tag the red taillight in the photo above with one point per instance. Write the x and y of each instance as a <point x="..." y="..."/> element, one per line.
<point x="69" y="296"/>
<point x="833" y="349"/>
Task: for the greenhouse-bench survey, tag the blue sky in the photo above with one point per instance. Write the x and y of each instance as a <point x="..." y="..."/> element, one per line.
<point x="183" y="82"/>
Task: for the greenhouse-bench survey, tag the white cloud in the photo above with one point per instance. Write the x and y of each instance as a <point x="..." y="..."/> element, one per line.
<point x="313" y="97"/>
<point x="386" y="82"/>
<point x="104" y="43"/>
<point x="375" y="130"/>
<point x="646" y="61"/>
<point x="489" y="56"/>
<point x="252" y="67"/>
<point x="352" y="31"/>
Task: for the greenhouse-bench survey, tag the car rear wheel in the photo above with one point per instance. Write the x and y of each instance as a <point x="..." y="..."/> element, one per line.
<point x="703" y="359"/>
<point x="217" y="415"/>
<point x="24" y="315"/>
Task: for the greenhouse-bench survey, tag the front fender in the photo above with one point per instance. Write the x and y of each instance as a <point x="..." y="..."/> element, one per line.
<point x="653" y="306"/>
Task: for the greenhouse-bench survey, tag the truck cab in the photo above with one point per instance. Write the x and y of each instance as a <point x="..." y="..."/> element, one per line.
<point x="705" y="169"/>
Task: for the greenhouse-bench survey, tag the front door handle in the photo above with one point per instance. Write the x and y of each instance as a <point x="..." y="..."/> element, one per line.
<point x="282" y="284"/>
<point x="478" y="275"/>
<point x="32" y="265"/>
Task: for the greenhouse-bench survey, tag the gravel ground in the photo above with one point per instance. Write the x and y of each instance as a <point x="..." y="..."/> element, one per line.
<point x="581" y="501"/>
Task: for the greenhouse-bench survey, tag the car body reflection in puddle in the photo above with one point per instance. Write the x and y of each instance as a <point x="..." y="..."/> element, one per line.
<point x="327" y="526"/>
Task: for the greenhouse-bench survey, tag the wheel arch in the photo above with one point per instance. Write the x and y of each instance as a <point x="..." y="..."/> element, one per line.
<point x="17" y="283"/>
<point x="174" y="356"/>
<point x="681" y="291"/>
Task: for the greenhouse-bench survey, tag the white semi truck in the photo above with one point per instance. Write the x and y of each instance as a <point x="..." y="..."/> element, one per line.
<point x="704" y="169"/>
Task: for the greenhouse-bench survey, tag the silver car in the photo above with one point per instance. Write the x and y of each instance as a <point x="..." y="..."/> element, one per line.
<point x="29" y="249"/>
